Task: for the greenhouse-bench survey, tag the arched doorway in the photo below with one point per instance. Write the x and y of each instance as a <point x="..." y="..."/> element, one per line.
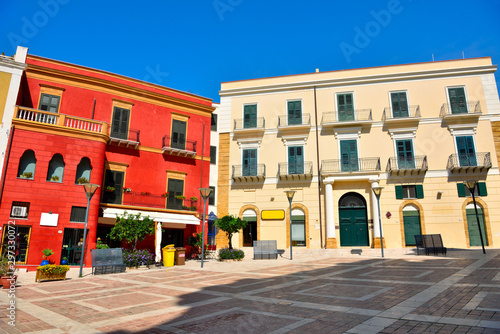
<point x="353" y="220"/>
<point x="249" y="232"/>
<point x="298" y="228"/>
<point x="474" y="239"/>
<point x="411" y="223"/>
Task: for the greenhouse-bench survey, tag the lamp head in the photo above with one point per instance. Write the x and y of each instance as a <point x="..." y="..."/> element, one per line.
<point x="377" y="190"/>
<point x="471" y="184"/>
<point x="205" y="192"/>
<point x="289" y="195"/>
<point x="90" y="189"/>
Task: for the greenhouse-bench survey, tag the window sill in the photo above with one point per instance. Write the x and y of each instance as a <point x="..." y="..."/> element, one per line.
<point x="54" y="181"/>
<point x="19" y="218"/>
<point x="25" y="178"/>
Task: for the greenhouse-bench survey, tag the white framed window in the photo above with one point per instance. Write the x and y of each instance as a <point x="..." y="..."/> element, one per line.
<point x="19" y="210"/>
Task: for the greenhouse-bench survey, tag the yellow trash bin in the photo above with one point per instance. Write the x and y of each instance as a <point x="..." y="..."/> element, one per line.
<point x="168" y="255"/>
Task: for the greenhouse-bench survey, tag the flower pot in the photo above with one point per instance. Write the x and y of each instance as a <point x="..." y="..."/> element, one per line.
<point x="64" y="262"/>
<point x="44" y="262"/>
<point x="7" y="281"/>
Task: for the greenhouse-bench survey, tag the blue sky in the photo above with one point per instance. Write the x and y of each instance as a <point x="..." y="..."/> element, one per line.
<point x="195" y="45"/>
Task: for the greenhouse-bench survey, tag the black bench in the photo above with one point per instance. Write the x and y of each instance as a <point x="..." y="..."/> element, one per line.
<point x="430" y="243"/>
<point x="107" y="261"/>
<point x="265" y="249"/>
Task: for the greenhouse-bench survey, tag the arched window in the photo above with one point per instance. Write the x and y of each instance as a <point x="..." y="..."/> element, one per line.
<point x="56" y="169"/>
<point x="27" y="165"/>
<point x="298" y="228"/>
<point x="83" y="171"/>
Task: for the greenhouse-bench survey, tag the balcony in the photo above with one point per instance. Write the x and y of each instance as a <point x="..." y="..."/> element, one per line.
<point x="296" y="171"/>
<point x="245" y="173"/>
<point x="347" y="118"/>
<point x="409" y="165"/>
<point x="361" y="165"/>
<point x="286" y="124"/>
<point x="250" y="127"/>
<point x="469" y="162"/>
<point x="186" y="149"/>
<point x="158" y="201"/>
<point x="461" y="112"/>
<point x="62" y="121"/>
<point x="129" y="139"/>
<point x="409" y="117"/>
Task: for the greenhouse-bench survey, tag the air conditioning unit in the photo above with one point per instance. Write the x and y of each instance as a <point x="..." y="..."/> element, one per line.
<point x="19" y="211"/>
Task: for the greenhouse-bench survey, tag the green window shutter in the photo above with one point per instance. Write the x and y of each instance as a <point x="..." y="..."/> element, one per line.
<point x="419" y="190"/>
<point x="482" y="189"/>
<point x="461" y="189"/>
<point x="399" y="192"/>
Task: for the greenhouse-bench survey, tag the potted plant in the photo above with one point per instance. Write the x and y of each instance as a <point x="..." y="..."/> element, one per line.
<point x="51" y="272"/>
<point x="165" y="194"/>
<point x="46" y="253"/>
<point x="185" y="207"/>
<point x="8" y="275"/>
<point x="193" y="208"/>
<point x="127" y="190"/>
<point x="64" y="261"/>
<point x="109" y="189"/>
<point x="82" y="180"/>
<point x="26" y="175"/>
<point x="180" y="197"/>
<point x="194" y="199"/>
<point x="145" y="193"/>
<point x="54" y="178"/>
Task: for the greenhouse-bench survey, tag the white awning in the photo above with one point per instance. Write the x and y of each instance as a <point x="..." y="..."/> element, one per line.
<point x="162" y="217"/>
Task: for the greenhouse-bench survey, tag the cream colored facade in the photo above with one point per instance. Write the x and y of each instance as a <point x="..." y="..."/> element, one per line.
<point x="418" y="130"/>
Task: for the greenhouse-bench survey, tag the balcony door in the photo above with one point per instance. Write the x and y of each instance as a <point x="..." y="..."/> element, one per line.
<point x="294" y="112"/>
<point x="249" y="167"/>
<point x="399" y="105"/>
<point x="113" y="180"/>
<point x="458" y="103"/>
<point x="349" y="155"/>
<point x="405" y="154"/>
<point x="295" y="160"/>
<point x="250" y="116"/>
<point x="119" y="128"/>
<point x="175" y="191"/>
<point x="466" y="151"/>
<point x="345" y="107"/>
<point x="178" y="134"/>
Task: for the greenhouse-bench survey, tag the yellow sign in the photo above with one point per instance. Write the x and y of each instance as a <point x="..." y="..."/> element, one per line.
<point x="273" y="214"/>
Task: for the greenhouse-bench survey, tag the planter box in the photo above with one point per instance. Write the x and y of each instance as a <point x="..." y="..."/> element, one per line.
<point x="42" y="276"/>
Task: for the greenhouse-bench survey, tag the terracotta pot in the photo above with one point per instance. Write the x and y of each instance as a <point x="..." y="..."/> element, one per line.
<point x="6" y="281"/>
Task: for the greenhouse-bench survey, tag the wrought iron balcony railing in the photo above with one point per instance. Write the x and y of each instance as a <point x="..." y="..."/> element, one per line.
<point x="285" y="120"/>
<point x="359" y="115"/>
<point x="418" y="162"/>
<point x="146" y="199"/>
<point x="468" y="161"/>
<point x="249" y="172"/>
<point x="62" y="120"/>
<point x="412" y="112"/>
<point x="249" y="124"/>
<point x="350" y="165"/>
<point x="471" y="107"/>
<point x="295" y="169"/>
<point x="132" y="135"/>
<point x="185" y="148"/>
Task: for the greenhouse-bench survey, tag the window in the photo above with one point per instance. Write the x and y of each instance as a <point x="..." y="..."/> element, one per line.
<point x="20" y="210"/>
<point x="176" y="192"/>
<point x="295" y="160"/>
<point x="349" y="155"/>
<point x="113" y="187"/>
<point x="405" y="154"/>
<point x="178" y="134"/>
<point x="55" y="172"/>
<point x="250" y="116"/>
<point x="83" y="171"/>
<point x="249" y="167"/>
<point x="78" y="214"/>
<point x="211" y="197"/>
<point x="345" y="107"/>
<point x="27" y="165"/>
<point x="119" y="128"/>
<point x="458" y="103"/>
<point x="399" y="104"/>
<point x="49" y="103"/>
<point x="213" y="122"/>
<point x="298" y="228"/>
<point x="479" y="190"/>
<point x="294" y="112"/>
<point x="213" y="155"/>
<point x="465" y="150"/>
<point x="410" y="191"/>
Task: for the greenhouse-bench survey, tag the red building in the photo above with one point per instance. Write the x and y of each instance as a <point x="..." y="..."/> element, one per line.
<point x="144" y="144"/>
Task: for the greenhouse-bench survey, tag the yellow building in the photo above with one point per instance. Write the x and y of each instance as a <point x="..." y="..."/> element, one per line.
<point x="417" y="130"/>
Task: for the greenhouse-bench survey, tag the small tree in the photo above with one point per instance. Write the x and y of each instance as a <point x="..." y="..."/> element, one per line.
<point x="230" y="225"/>
<point x="132" y="228"/>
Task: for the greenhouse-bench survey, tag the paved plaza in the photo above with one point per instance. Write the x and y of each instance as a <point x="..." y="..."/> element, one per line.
<point x="457" y="293"/>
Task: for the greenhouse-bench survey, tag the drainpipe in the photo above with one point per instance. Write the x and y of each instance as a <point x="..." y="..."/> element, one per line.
<point x="6" y="161"/>
<point x="319" y="175"/>
<point x="93" y="110"/>
<point x="202" y="151"/>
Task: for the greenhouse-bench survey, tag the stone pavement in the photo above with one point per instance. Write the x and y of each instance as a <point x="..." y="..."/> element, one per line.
<point x="328" y="293"/>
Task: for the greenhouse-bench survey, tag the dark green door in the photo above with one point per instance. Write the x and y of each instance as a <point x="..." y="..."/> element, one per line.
<point x="353" y="227"/>
<point x="250" y="116"/>
<point x="399" y="105"/>
<point x="349" y="155"/>
<point x="249" y="167"/>
<point x="72" y="245"/>
<point x="405" y="154"/>
<point x="474" y="239"/>
<point x="457" y="100"/>
<point x="345" y="107"/>
<point x="466" y="151"/>
<point x="294" y="112"/>
<point x="411" y="222"/>
<point x="295" y="160"/>
<point x="250" y="232"/>
<point x="178" y="134"/>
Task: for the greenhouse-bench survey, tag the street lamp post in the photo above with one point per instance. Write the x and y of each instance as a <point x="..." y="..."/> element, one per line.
<point x="90" y="190"/>
<point x="289" y="195"/>
<point x="471" y="185"/>
<point x="378" y="191"/>
<point x="205" y="192"/>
